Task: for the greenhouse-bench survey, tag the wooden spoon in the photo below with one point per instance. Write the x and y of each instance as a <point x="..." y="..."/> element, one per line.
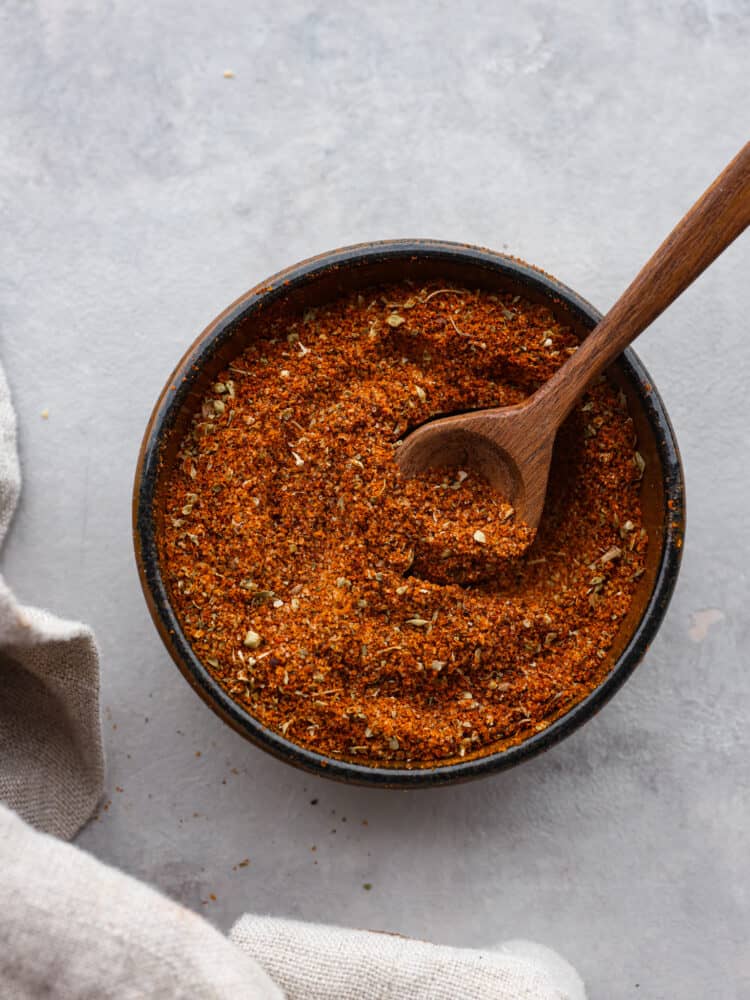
<point x="512" y="446"/>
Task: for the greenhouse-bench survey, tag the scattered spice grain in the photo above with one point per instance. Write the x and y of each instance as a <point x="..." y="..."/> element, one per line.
<point x="386" y="620"/>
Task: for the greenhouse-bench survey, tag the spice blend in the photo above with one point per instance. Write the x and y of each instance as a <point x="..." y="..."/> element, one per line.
<point x="386" y="620"/>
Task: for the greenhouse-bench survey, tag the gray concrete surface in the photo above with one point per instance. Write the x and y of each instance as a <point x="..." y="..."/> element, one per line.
<point x="141" y="191"/>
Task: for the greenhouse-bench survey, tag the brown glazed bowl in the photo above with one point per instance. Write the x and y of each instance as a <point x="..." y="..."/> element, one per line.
<point x="312" y="283"/>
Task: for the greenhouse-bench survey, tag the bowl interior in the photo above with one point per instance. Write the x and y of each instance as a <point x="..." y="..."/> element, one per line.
<point x="314" y="283"/>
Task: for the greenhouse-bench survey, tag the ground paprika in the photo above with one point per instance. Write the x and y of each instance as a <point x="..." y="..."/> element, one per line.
<point x="384" y="620"/>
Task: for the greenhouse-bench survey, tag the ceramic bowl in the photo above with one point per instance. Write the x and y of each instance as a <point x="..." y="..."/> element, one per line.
<point x="314" y="282"/>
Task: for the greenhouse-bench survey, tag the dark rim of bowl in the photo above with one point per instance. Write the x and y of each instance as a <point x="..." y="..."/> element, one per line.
<point x="168" y="405"/>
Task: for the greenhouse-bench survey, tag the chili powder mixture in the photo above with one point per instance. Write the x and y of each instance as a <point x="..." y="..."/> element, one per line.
<point x="381" y="619"/>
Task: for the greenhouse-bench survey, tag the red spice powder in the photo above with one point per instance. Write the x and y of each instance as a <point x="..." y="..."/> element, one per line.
<point x="385" y="620"/>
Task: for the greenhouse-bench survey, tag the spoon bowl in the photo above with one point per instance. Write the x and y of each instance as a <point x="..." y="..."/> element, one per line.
<point x="488" y="443"/>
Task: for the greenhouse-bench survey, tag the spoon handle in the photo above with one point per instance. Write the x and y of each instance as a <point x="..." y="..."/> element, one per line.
<point x="714" y="221"/>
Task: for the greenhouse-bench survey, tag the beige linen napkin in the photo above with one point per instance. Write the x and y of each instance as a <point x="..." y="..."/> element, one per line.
<point x="73" y="928"/>
<point x="316" y="962"/>
<point x="51" y="760"/>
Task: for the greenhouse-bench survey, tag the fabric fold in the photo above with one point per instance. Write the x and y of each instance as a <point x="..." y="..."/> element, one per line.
<point x="75" y="928"/>
<point x="318" y="962"/>
<point x="52" y="761"/>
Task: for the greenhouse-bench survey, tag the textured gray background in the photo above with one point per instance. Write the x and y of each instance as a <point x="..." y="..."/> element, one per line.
<point x="141" y="192"/>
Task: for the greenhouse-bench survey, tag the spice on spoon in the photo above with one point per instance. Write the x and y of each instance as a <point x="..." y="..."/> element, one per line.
<point x="388" y="620"/>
